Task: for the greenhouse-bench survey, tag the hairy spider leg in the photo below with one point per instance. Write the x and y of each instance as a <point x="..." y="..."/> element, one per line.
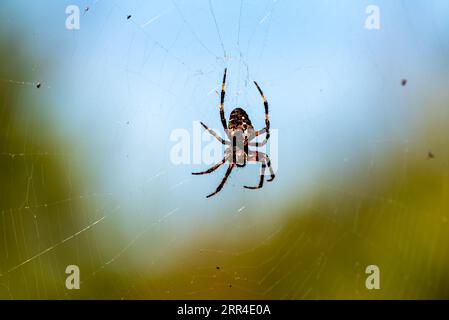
<point x="215" y="167"/>
<point x="262" y="176"/>
<point x="270" y="168"/>
<point x="212" y="132"/>
<point x="267" y="122"/>
<point x="223" y="92"/>
<point x="246" y="149"/>
<point x="228" y="172"/>
<point x="265" y="160"/>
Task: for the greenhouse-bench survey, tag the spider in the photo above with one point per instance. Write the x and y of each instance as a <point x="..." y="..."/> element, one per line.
<point x="240" y="131"/>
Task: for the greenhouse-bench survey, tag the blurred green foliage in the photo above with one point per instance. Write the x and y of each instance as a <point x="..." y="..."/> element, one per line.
<point x="322" y="250"/>
<point x="29" y="205"/>
<point x="40" y="186"/>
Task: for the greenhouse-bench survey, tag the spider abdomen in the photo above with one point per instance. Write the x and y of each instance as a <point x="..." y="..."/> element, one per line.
<point x="239" y="120"/>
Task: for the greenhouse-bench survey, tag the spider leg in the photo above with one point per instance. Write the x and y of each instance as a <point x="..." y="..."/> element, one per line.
<point x="260" y="156"/>
<point x="270" y="168"/>
<point x="215" y="167"/>
<point x="267" y="120"/>
<point x="223" y="92"/>
<point x="228" y="172"/>
<point x="262" y="176"/>
<point x="212" y="132"/>
<point x="258" y="144"/>
<point x="261" y="131"/>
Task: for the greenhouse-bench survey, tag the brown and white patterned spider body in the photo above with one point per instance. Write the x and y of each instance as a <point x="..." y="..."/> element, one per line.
<point x="240" y="132"/>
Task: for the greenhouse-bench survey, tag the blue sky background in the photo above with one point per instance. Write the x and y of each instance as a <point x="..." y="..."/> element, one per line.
<point x="117" y="88"/>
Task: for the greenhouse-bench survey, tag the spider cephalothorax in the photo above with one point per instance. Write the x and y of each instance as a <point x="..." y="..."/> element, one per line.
<point x="240" y="132"/>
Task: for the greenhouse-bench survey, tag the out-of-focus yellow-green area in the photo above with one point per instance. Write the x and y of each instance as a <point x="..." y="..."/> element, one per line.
<point x="395" y="216"/>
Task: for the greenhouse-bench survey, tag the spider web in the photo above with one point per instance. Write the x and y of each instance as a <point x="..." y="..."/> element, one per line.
<point x="87" y="178"/>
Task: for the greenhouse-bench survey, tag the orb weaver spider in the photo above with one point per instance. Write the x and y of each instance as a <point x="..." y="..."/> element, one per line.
<point x="240" y="131"/>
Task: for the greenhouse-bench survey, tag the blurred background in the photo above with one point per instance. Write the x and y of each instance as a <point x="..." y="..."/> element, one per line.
<point x="362" y="119"/>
